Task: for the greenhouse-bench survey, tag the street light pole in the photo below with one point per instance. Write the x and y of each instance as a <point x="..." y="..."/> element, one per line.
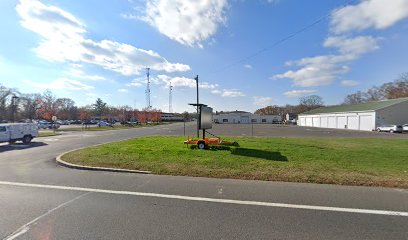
<point x="198" y="109"/>
<point x="13" y="105"/>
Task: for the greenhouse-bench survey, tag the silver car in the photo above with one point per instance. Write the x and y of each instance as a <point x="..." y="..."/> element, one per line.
<point x="392" y="128"/>
<point x="405" y="127"/>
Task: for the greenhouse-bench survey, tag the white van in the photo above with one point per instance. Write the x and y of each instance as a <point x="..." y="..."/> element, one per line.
<point x="12" y="132"/>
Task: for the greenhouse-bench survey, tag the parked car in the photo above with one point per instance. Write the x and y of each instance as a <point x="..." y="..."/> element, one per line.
<point x="44" y="124"/>
<point x="76" y="122"/>
<point x="12" y="132"/>
<point x="104" y="124"/>
<point x="405" y="127"/>
<point x="392" y="128"/>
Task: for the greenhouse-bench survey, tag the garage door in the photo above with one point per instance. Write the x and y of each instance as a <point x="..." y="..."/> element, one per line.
<point x="341" y="122"/>
<point x="309" y="122"/>
<point x="366" y="123"/>
<point x="302" y="121"/>
<point x="352" y="122"/>
<point x="316" y="121"/>
<point x="323" y="122"/>
<point x="331" y="122"/>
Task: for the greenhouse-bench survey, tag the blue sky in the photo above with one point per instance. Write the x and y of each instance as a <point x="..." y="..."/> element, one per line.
<point x="89" y="49"/>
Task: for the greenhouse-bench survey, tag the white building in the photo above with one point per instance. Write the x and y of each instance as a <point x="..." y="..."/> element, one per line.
<point x="170" y="117"/>
<point x="364" y="116"/>
<point x="239" y="117"/>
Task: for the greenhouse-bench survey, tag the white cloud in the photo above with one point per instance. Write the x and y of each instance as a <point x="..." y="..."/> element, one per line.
<point x="232" y="93"/>
<point x="228" y="92"/>
<point x="81" y="74"/>
<point x="315" y="71"/>
<point x="216" y="91"/>
<point x="323" y="70"/>
<point x="354" y="46"/>
<point x="136" y="83"/>
<point x="248" y="66"/>
<point x="185" y="21"/>
<point x="262" y="101"/>
<point x="298" y="93"/>
<point x="60" y="84"/>
<point x="63" y="40"/>
<point x="378" y="14"/>
<point x="123" y="90"/>
<point x="349" y="83"/>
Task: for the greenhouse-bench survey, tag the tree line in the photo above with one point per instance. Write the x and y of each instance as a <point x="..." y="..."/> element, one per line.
<point x="16" y="106"/>
<point x="306" y="103"/>
<point x="390" y="90"/>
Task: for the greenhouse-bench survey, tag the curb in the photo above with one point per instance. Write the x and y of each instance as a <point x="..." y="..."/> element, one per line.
<point x="89" y="168"/>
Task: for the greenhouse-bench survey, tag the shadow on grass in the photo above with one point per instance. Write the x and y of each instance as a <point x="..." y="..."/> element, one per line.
<point x="249" y="152"/>
<point x="268" y="155"/>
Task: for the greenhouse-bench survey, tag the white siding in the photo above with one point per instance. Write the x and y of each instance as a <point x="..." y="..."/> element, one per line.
<point x="309" y="122"/>
<point x="352" y="122"/>
<point x="324" y="122"/>
<point x="367" y="122"/>
<point x="341" y="122"/>
<point x="302" y="121"/>
<point x="316" y="121"/>
<point x="332" y="122"/>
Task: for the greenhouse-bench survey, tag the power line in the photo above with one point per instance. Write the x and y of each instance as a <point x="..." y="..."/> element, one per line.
<point x="282" y="40"/>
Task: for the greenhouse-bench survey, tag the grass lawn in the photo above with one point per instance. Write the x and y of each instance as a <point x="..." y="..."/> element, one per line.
<point x="116" y="127"/>
<point x="47" y="134"/>
<point x="369" y="162"/>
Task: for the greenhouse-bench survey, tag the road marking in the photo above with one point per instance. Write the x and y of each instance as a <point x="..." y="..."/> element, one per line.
<point x="23" y="229"/>
<point x="213" y="200"/>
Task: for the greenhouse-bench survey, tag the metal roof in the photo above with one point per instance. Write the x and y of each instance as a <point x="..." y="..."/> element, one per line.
<point x="360" y="107"/>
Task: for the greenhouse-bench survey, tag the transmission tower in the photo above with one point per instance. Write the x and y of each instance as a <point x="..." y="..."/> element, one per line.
<point x="170" y="98"/>
<point x="148" y="105"/>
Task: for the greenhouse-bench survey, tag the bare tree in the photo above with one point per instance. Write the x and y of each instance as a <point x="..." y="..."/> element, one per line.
<point x="358" y="97"/>
<point x="310" y="102"/>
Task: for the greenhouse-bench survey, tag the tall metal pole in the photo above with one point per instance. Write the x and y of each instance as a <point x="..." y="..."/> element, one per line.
<point x="198" y="110"/>
<point x="148" y="89"/>
<point x="170" y="99"/>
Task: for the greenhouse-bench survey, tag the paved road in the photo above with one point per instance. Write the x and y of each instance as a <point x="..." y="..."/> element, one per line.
<point x="59" y="203"/>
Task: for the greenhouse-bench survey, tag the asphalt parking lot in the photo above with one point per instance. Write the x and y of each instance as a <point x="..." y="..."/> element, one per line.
<point x="274" y="130"/>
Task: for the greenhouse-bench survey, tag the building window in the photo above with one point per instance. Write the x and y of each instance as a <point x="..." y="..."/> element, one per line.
<point x="264" y="120"/>
<point x="225" y="120"/>
<point x="253" y="120"/>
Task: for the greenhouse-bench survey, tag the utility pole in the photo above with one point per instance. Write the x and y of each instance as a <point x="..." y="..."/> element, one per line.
<point x="170" y="98"/>
<point x="13" y="105"/>
<point x="148" y="89"/>
<point x="198" y="109"/>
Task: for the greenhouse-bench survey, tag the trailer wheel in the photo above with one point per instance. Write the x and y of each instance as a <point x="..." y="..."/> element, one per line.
<point x="201" y="145"/>
<point x="27" y="139"/>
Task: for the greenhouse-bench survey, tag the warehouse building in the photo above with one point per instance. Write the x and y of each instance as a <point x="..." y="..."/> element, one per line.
<point x="240" y="117"/>
<point x="364" y="116"/>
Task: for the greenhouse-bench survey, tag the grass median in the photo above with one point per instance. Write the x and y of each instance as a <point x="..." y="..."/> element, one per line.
<point x="107" y="128"/>
<point x="368" y="162"/>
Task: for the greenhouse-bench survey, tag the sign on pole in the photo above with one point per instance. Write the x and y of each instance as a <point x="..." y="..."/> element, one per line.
<point x="54" y="118"/>
<point x="206" y="117"/>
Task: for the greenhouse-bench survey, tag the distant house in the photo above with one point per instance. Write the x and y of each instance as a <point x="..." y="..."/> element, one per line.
<point x="364" y="116"/>
<point x="241" y="117"/>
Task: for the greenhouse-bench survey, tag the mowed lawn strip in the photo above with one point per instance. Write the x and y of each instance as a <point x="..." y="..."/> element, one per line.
<point x="369" y="162"/>
<point x="107" y="128"/>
